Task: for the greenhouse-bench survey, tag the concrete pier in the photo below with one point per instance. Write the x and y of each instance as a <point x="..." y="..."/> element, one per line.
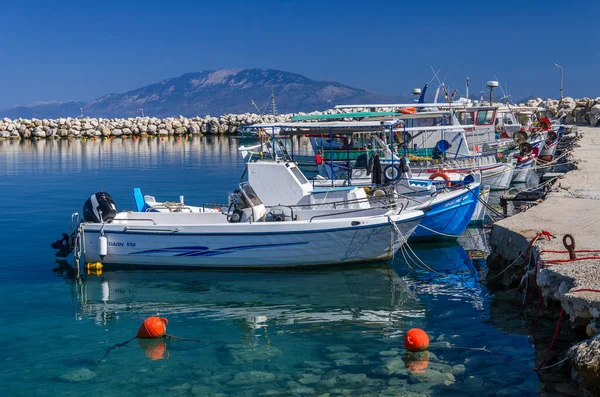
<point x="573" y="207"/>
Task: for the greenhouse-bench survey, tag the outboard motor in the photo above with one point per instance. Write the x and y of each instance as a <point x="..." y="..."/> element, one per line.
<point x="100" y="207"/>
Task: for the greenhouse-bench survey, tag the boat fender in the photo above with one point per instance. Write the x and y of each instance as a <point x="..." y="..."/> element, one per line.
<point x="370" y="166"/>
<point x="404" y="165"/>
<point x="442" y="175"/>
<point x="318" y="159"/>
<point x="102" y="247"/>
<point x="390" y="173"/>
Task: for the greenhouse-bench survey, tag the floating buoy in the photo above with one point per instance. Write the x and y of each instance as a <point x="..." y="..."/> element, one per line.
<point x="154" y="349"/>
<point x="416" y="362"/>
<point x="162" y="139"/>
<point x="416" y="340"/>
<point x="178" y="138"/>
<point x="153" y="328"/>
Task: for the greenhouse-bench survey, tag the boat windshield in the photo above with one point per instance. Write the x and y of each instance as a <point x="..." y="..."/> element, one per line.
<point x="250" y="195"/>
<point x="299" y="175"/>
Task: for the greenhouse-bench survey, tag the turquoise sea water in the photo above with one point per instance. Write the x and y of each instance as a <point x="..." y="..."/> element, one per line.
<point x="336" y="331"/>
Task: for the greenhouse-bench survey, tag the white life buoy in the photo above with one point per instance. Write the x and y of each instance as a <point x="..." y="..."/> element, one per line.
<point x="391" y="173"/>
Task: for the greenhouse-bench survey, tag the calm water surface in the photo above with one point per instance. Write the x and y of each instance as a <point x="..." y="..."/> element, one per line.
<point x="336" y="331"/>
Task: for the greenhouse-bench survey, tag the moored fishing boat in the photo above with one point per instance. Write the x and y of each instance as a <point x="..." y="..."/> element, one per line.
<point x="245" y="234"/>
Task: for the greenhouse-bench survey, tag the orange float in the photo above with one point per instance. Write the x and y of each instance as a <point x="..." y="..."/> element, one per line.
<point x="408" y="111"/>
<point x="416" y="340"/>
<point x="153" y="328"/>
<point x="442" y="175"/>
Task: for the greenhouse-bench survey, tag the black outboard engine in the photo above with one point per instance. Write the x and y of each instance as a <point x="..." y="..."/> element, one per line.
<point x="100" y="207"/>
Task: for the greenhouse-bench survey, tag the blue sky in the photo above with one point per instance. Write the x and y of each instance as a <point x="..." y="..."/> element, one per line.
<point x="80" y="50"/>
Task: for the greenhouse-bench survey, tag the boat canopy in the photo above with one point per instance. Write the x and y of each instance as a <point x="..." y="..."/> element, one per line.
<point x="396" y="115"/>
<point x="331" y="126"/>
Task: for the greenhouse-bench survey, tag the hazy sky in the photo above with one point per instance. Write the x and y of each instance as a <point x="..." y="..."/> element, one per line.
<point x="80" y="50"/>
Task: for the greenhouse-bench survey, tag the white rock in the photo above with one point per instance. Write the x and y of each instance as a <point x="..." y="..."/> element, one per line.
<point x="594" y="115"/>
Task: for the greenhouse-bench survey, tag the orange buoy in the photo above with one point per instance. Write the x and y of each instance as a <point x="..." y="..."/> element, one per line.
<point x="154" y="349"/>
<point x="416" y="340"/>
<point x="152" y="328"/>
<point x="416" y="362"/>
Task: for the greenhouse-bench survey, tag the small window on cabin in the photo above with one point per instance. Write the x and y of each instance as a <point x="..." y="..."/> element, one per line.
<point x="485" y="117"/>
<point x="299" y="175"/>
<point x="466" y="118"/>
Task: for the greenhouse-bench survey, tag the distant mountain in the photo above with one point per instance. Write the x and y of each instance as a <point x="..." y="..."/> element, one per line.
<point x="216" y="92"/>
<point x="39" y="110"/>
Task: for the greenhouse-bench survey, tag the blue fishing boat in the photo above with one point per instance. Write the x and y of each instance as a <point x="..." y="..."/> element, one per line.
<point x="448" y="218"/>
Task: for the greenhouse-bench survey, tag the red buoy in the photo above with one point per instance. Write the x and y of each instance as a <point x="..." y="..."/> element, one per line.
<point x="152" y="328"/>
<point x="416" y="340"/>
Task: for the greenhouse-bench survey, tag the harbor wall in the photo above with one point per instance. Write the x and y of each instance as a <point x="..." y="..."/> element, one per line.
<point x="580" y="111"/>
<point x="570" y="286"/>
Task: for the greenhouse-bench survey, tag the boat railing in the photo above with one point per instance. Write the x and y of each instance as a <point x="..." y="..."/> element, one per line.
<point x="136" y="220"/>
<point x="344" y="203"/>
<point x="353" y="211"/>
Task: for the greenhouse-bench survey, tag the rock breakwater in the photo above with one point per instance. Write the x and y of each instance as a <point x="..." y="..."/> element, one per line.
<point x="579" y="111"/>
<point x="100" y="127"/>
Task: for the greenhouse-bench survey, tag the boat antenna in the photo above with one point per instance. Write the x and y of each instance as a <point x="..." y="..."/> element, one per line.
<point x="467" y="89"/>
<point x="505" y="97"/>
<point x="256" y="107"/>
<point x="448" y="97"/>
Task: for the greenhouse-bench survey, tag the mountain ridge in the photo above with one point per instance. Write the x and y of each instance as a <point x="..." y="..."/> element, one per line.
<point x="213" y="92"/>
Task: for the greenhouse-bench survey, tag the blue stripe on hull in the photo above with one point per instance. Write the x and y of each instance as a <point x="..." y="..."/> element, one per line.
<point x="448" y="219"/>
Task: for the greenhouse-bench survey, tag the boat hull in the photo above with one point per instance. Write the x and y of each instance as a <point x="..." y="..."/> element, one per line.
<point x="257" y="245"/>
<point x="448" y="218"/>
<point x="522" y="171"/>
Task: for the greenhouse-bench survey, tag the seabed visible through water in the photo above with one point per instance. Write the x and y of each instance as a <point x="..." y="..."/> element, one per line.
<point x="336" y="331"/>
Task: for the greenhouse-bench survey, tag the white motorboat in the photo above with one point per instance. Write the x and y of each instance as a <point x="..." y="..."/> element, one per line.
<point x="246" y="234"/>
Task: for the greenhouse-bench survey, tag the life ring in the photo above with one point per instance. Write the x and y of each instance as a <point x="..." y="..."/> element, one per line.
<point x="391" y="173"/>
<point x="442" y="175"/>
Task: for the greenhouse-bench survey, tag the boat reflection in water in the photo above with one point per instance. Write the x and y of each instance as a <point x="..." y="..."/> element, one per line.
<point x="363" y="297"/>
<point x="452" y="268"/>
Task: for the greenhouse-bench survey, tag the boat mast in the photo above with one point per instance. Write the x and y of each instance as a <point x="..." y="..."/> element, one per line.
<point x="273" y="106"/>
